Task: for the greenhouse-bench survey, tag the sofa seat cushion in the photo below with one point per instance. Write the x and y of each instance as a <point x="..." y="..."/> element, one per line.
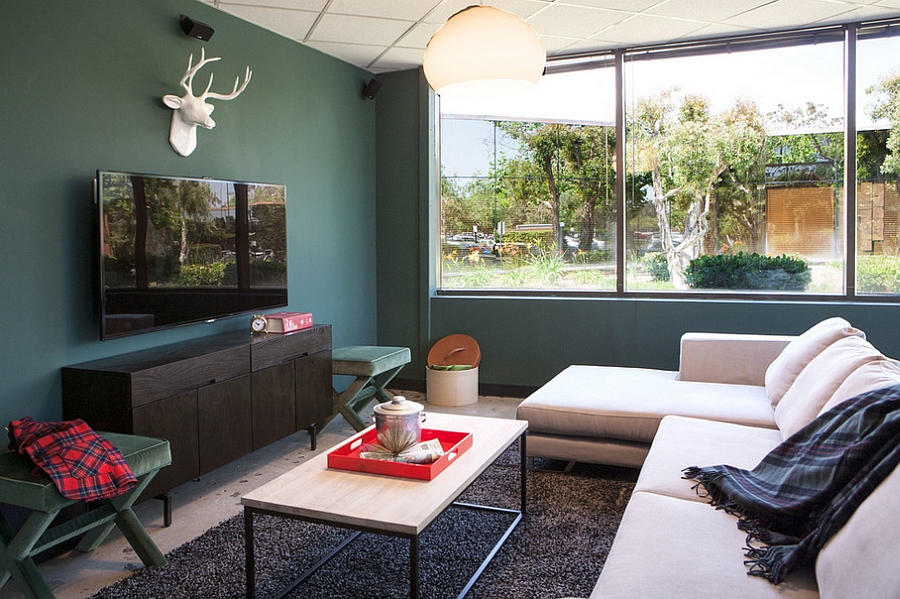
<point x="677" y="549"/>
<point x="628" y="403"/>
<point x="683" y="442"/>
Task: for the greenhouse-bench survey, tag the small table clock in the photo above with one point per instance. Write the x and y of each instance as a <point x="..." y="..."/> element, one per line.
<point x="258" y="323"/>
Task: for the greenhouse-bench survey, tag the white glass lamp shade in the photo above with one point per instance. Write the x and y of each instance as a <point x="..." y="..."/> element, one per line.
<point x="484" y="51"/>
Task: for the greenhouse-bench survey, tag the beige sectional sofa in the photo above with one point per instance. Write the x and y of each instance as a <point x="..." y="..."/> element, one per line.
<point x="733" y="400"/>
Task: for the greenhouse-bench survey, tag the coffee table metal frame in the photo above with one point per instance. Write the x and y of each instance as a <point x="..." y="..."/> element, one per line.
<point x="250" y="512"/>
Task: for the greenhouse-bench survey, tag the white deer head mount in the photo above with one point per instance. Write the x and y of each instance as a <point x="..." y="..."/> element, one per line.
<point x="191" y="111"/>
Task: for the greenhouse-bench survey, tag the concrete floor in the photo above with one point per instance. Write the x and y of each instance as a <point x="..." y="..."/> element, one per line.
<point x="205" y="502"/>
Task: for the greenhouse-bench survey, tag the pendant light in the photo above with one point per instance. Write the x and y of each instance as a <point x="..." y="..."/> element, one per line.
<point x="484" y="51"/>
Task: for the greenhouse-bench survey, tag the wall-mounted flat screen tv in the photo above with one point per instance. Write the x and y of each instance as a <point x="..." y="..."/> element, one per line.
<point x="176" y="250"/>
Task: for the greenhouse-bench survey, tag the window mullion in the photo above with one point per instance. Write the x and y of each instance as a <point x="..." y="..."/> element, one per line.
<point x="850" y="161"/>
<point x="621" y="212"/>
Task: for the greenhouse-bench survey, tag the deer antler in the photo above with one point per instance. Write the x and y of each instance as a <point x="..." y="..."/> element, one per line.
<point x="187" y="81"/>
<point x="234" y="93"/>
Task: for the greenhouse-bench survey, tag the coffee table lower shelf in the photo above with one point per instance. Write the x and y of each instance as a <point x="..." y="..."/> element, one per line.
<point x="250" y="512"/>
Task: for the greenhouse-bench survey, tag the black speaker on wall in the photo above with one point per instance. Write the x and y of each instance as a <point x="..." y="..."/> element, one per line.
<point x="196" y="29"/>
<point x="371" y="89"/>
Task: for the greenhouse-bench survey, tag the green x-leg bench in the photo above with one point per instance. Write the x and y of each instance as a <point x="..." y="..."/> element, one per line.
<point x="374" y="367"/>
<point x="144" y="455"/>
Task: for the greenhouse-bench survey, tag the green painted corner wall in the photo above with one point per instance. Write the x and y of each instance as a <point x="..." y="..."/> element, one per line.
<point x="82" y="87"/>
<point x="401" y="221"/>
<point x="527" y="341"/>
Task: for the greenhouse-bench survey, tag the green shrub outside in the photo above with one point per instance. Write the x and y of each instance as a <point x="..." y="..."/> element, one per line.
<point x="878" y="274"/>
<point x="749" y="272"/>
<point x="541" y="239"/>
<point x="656" y="265"/>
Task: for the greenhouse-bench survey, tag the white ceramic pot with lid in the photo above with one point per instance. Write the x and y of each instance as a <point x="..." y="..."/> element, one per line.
<point x="399" y="423"/>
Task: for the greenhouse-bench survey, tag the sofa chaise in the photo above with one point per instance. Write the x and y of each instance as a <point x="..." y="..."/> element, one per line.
<point x="734" y="399"/>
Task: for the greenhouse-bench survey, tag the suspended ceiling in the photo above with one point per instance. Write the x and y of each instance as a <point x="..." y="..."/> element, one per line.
<point x="390" y="35"/>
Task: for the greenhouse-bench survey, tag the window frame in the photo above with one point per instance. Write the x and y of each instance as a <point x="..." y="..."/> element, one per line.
<point x="849" y="34"/>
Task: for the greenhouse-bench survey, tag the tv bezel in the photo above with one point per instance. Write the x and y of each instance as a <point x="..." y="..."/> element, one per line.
<point x="212" y="316"/>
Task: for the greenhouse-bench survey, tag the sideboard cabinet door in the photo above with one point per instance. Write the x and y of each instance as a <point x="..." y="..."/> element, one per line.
<point x="313" y="388"/>
<point x="175" y="419"/>
<point x="225" y="422"/>
<point x="274" y="409"/>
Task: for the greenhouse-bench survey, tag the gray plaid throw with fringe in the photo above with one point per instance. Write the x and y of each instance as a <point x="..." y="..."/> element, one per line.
<point x="807" y="488"/>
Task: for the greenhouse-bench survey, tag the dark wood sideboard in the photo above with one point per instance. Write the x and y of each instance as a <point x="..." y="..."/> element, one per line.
<point x="215" y="399"/>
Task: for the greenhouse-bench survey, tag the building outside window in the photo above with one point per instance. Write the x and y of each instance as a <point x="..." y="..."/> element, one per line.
<point x="733" y="174"/>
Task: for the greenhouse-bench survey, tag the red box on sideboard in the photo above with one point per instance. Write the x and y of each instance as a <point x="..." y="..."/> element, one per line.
<point x="286" y="322"/>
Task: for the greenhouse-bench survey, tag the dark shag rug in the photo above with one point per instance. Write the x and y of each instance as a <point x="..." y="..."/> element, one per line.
<point x="557" y="550"/>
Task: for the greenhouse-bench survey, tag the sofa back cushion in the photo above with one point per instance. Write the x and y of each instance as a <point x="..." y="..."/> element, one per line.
<point x="870" y="376"/>
<point x="861" y="559"/>
<point x="819" y="380"/>
<point x="783" y="371"/>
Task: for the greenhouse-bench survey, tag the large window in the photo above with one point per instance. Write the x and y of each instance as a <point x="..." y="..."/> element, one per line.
<point x="733" y="156"/>
<point x="528" y="192"/>
<point x="878" y="166"/>
<point x="732" y="173"/>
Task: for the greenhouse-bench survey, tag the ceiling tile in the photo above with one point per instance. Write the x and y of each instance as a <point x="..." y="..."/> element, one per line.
<point x="313" y="5"/>
<point x="399" y="59"/>
<point x="358" y="54"/>
<point x="592" y="45"/>
<point x="419" y="36"/>
<point x="349" y="29"/>
<point x="705" y="10"/>
<point x="406" y="10"/>
<point x="647" y="29"/>
<point x="717" y="30"/>
<point x="523" y="8"/>
<point x="864" y="13"/>
<point x="556" y="45"/>
<point x="789" y="13"/>
<point x="294" y="24"/>
<point x="633" y="6"/>
<point x="574" y="21"/>
<point x="447" y="9"/>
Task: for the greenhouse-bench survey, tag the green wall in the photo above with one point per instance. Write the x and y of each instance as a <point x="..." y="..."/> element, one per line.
<point x="405" y="167"/>
<point x="81" y="90"/>
<point x="526" y="341"/>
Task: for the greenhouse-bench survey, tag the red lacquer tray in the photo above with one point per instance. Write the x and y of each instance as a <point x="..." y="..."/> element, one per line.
<point x="346" y="456"/>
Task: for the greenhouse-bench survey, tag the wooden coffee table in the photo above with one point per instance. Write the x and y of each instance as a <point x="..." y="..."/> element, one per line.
<point x="387" y="505"/>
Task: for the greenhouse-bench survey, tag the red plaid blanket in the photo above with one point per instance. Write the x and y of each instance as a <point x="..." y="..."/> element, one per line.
<point x="82" y="464"/>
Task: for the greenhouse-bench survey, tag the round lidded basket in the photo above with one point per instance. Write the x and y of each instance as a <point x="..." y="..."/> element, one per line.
<point x="447" y="385"/>
<point x="455" y="350"/>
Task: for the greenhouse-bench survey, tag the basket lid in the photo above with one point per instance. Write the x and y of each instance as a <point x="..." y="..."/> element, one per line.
<point x="455" y="349"/>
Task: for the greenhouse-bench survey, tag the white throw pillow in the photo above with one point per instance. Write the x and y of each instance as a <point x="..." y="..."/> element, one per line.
<point x="868" y="377"/>
<point x="819" y="380"/>
<point x="787" y="366"/>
